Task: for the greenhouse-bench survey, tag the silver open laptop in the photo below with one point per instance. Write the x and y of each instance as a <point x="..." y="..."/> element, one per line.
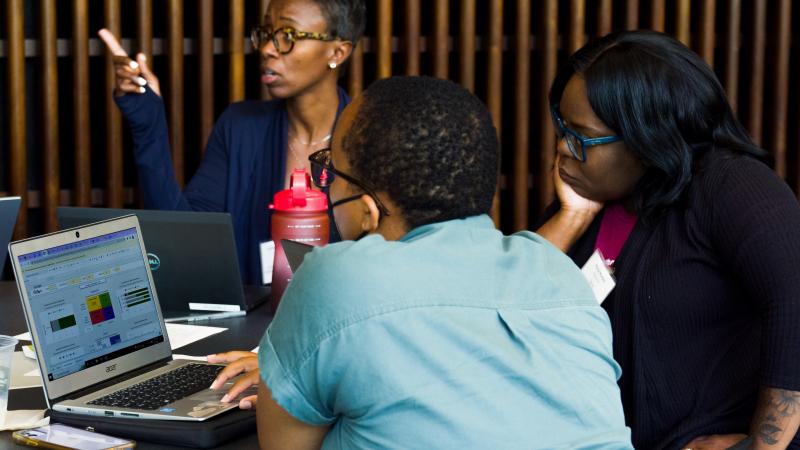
<point x="96" y="325"/>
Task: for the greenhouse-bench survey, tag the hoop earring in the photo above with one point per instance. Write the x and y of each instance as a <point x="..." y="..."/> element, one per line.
<point x="332" y="65"/>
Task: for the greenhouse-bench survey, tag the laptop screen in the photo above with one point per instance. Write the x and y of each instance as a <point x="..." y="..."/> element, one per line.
<point x="90" y="301"/>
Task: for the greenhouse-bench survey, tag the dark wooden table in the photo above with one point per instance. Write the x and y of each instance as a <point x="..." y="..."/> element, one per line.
<point x="243" y="333"/>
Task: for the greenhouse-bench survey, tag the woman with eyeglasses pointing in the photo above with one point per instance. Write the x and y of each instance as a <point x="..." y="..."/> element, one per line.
<point x="254" y="144"/>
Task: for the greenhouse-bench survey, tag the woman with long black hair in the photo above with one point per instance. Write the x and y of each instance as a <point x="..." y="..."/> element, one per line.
<point x="655" y="173"/>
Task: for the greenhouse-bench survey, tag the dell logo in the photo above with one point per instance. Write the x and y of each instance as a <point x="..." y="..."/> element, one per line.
<point x="154" y="261"/>
<point x="111" y="368"/>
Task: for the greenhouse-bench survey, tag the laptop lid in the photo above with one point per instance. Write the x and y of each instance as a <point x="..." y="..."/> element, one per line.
<point x="192" y="256"/>
<point x="9" y="208"/>
<point x="90" y="304"/>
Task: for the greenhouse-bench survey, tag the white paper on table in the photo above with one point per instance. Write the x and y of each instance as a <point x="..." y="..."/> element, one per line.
<point x="23" y="337"/>
<point x="179" y="334"/>
<point x="267" y="250"/>
<point x="182" y="334"/>
<point x="24" y="372"/>
<point x="255" y="350"/>
<point x="23" y="419"/>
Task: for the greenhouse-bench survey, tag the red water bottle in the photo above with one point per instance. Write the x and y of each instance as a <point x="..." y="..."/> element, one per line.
<point x="299" y="214"/>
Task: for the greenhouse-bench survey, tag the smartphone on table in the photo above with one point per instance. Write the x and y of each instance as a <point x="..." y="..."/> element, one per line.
<point x="63" y="437"/>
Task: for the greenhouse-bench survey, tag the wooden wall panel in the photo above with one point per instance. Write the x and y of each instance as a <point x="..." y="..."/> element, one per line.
<point x="547" y="141"/>
<point x="174" y="92"/>
<point x="780" y="100"/>
<point x="205" y="63"/>
<point x="732" y="47"/>
<point x="577" y="23"/>
<point x="631" y="14"/>
<point x="494" y="80"/>
<point x="758" y="54"/>
<point x="355" y="82"/>
<point x="757" y="61"/>
<point x="658" y="14"/>
<point x="466" y="45"/>
<point x="17" y="109"/>
<point x="413" y="34"/>
<point x="707" y="31"/>
<point x="521" y="169"/>
<point x="113" y="122"/>
<point x="236" y="36"/>
<point x="144" y="28"/>
<point x="50" y="160"/>
<point x="683" y="20"/>
<point x="81" y="117"/>
<point x="605" y="11"/>
<point x="441" y="36"/>
<point x="384" y="38"/>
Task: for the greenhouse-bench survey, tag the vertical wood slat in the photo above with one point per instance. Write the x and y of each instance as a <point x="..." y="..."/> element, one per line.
<point x="174" y="96"/>
<point x="547" y="141"/>
<point x="707" y="30"/>
<point x="494" y="50"/>
<point x="758" y="40"/>
<point x="144" y="39"/>
<point x="683" y="20"/>
<point x="205" y="40"/>
<point x="413" y="31"/>
<point x="114" y="172"/>
<point x="631" y="14"/>
<point x="441" y="35"/>
<point x="521" y="166"/>
<point x="605" y="13"/>
<point x="144" y="29"/>
<point x="263" y="5"/>
<point x="577" y="22"/>
<point x="657" y="15"/>
<point x="494" y="79"/>
<point x="732" y="44"/>
<point x="355" y="76"/>
<point x="780" y="100"/>
<point x="51" y="179"/>
<point x="384" y="38"/>
<point x="15" y="39"/>
<point x="236" y="51"/>
<point x="466" y="45"/>
<point x="80" y="87"/>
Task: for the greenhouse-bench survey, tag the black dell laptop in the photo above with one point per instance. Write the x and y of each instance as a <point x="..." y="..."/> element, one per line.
<point x="192" y="256"/>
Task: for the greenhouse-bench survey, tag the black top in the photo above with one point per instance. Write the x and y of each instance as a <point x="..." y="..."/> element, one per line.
<point x="707" y="303"/>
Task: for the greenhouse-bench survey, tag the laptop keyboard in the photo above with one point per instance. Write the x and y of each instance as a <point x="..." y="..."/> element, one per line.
<point x="164" y="389"/>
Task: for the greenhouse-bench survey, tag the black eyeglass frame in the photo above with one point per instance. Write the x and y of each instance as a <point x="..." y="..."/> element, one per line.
<point x="260" y="35"/>
<point x="321" y="163"/>
<point x="562" y="131"/>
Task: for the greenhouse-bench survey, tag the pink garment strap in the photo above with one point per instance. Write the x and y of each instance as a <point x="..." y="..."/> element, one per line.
<point x="615" y="227"/>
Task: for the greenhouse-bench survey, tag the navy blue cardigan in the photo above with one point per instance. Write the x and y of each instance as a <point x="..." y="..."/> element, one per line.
<point x="243" y="167"/>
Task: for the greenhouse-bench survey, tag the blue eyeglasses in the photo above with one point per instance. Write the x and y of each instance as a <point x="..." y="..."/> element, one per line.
<point x="576" y="142"/>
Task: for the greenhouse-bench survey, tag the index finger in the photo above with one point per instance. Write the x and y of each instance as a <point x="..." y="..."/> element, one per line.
<point x="229" y="357"/>
<point x="111" y="42"/>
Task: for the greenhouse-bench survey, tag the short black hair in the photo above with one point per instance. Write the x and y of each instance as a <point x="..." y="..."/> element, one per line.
<point x="345" y="18"/>
<point x="664" y="101"/>
<point x="428" y="144"/>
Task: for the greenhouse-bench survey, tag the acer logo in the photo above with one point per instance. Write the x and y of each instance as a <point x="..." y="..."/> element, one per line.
<point x="111" y="368"/>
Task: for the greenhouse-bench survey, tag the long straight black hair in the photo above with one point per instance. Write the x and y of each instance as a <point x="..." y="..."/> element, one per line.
<point x="664" y="101"/>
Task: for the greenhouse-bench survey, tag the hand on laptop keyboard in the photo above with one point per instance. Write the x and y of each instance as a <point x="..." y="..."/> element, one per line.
<point x="238" y="362"/>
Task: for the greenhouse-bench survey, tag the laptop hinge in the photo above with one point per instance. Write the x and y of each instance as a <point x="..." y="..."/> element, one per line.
<point x="112" y="381"/>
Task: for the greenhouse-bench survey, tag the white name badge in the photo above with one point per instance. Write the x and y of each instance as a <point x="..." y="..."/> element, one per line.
<point x="599" y="276"/>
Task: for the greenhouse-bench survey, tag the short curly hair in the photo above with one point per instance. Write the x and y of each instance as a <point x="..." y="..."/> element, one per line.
<point x="427" y="143"/>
